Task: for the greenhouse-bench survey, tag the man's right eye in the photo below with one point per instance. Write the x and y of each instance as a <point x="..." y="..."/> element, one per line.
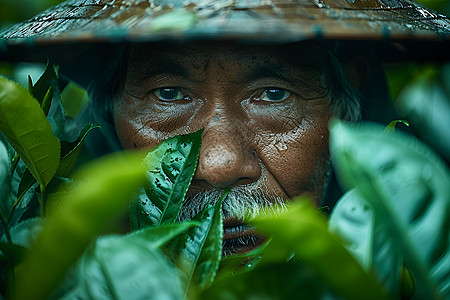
<point x="169" y="94"/>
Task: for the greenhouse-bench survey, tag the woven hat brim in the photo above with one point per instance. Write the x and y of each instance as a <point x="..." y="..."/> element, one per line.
<point x="263" y="20"/>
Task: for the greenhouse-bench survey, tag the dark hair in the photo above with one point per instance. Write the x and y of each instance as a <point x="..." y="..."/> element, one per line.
<point x="345" y="98"/>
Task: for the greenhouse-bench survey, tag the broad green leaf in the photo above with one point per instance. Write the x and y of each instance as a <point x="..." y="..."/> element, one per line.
<point x="102" y="191"/>
<point x="121" y="268"/>
<point x="170" y="168"/>
<point x="151" y="238"/>
<point x="277" y="280"/>
<point x="367" y="239"/>
<point x="73" y="97"/>
<point x="406" y="184"/>
<point x="426" y="104"/>
<point x="201" y="248"/>
<point x="70" y="151"/>
<point x="28" y="131"/>
<point x="303" y="231"/>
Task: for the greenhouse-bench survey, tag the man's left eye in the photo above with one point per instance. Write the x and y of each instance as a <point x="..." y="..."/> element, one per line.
<point x="169" y="94"/>
<point x="274" y="95"/>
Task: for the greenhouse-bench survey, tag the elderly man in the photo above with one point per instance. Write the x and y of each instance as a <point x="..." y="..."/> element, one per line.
<point x="264" y="111"/>
<point x="262" y="78"/>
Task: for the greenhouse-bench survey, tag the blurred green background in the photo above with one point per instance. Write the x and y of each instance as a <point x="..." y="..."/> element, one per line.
<point x="421" y="91"/>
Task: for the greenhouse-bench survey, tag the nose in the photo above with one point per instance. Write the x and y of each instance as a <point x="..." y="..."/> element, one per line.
<point x="226" y="158"/>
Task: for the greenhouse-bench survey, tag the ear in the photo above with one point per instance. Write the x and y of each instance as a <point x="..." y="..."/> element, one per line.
<point x="357" y="71"/>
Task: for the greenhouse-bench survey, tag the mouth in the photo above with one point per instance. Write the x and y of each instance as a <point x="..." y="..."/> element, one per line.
<point x="239" y="238"/>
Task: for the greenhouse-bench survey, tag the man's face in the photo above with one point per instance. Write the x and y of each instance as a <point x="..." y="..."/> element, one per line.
<point x="264" y="111"/>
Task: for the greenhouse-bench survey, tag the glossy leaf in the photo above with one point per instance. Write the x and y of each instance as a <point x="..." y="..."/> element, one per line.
<point x="171" y="166"/>
<point x="121" y="268"/>
<point x="303" y="231"/>
<point x="277" y="280"/>
<point x="40" y="89"/>
<point x="367" y="239"/>
<point x="26" y="204"/>
<point x="47" y="93"/>
<point x="28" y="131"/>
<point x="156" y="237"/>
<point x="102" y="191"/>
<point x="70" y="151"/>
<point x="407" y="186"/>
<point x="201" y="248"/>
<point x="391" y="126"/>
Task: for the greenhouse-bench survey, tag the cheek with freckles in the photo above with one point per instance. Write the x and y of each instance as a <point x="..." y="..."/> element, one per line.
<point x="297" y="159"/>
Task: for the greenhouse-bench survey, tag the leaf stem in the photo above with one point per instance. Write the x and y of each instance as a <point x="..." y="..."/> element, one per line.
<point x="14" y="162"/>
<point x="13" y="207"/>
<point x="41" y="200"/>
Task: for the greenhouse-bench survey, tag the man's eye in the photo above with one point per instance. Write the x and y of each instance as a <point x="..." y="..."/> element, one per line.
<point x="169" y="94"/>
<point x="274" y="95"/>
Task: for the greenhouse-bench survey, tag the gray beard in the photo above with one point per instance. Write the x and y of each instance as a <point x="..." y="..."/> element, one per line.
<point x="243" y="203"/>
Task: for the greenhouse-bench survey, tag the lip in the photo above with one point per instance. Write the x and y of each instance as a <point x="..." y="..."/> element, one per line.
<point x="239" y="238"/>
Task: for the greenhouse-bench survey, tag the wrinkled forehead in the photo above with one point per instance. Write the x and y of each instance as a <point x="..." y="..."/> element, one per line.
<point x="227" y="55"/>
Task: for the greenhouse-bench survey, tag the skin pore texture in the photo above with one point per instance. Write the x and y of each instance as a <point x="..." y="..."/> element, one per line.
<point x="264" y="111"/>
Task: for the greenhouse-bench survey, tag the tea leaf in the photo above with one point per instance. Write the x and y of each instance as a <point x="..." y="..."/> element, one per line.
<point x="122" y="268"/>
<point x="47" y="92"/>
<point x="407" y="187"/>
<point x="367" y="239"/>
<point x="171" y="166"/>
<point x="201" y="248"/>
<point x="70" y="151"/>
<point x="28" y="131"/>
<point x="304" y="232"/>
<point x="102" y="192"/>
<point x="393" y="124"/>
<point x="276" y="280"/>
<point x="156" y="237"/>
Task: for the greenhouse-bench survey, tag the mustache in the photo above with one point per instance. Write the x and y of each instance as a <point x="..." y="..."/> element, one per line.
<point x="241" y="203"/>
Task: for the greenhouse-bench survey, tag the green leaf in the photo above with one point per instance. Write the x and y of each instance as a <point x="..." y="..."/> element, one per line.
<point x="102" y="191"/>
<point x="46" y="102"/>
<point x="367" y="239"/>
<point x="122" y="268"/>
<point x="48" y="80"/>
<point x="70" y="151"/>
<point x="407" y="186"/>
<point x="28" y="131"/>
<point x="73" y="97"/>
<point x="171" y="166"/>
<point x="156" y="237"/>
<point x="277" y="280"/>
<point x="303" y="231"/>
<point x="25" y="205"/>
<point x="5" y="179"/>
<point x="201" y="248"/>
<point x="13" y="253"/>
<point x="47" y="92"/>
<point x="393" y="124"/>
